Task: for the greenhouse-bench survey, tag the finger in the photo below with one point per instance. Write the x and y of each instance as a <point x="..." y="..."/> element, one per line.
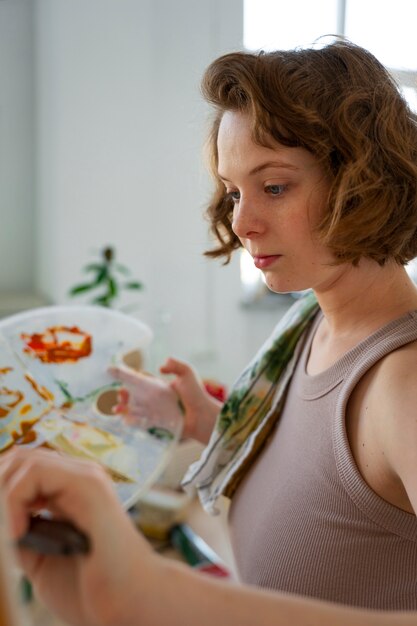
<point x="65" y="483"/>
<point x="127" y="375"/>
<point x="119" y="409"/>
<point x="29" y="561"/>
<point x="18" y="509"/>
<point x="133" y="409"/>
<point x="132" y="419"/>
<point x="129" y="411"/>
<point x="174" y="366"/>
<point x="123" y="395"/>
<point x="13" y="459"/>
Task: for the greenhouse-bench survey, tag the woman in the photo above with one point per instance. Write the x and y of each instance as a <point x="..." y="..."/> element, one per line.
<point x="315" y="158"/>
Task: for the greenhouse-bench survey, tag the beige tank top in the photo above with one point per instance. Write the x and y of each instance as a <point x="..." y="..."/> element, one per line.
<point x="303" y="519"/>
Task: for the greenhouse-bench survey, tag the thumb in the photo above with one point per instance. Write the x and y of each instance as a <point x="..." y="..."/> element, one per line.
<point x="174" y="366"/>
<point x="126" y="375"/>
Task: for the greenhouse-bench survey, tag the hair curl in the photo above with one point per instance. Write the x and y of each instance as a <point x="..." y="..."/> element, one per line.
<point x="342" y="105"/>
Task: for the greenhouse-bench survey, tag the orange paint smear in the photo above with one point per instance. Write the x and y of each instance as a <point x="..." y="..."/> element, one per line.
<point x="28" y="437"/>
<point x="25" y="409"/>
<point x="26" y="434"/>
<point x="26" y="425"/>
<point x="48" y="347"/>
<point x="5" y="370"/>
<point x="12" y="399"/>
<point x="43" y="392"/>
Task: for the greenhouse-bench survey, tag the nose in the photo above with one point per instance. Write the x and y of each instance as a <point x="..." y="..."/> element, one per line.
<point x="246" y="222"/>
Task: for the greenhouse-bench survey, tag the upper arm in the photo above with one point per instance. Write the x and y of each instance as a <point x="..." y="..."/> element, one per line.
<point x="397" y="401"/>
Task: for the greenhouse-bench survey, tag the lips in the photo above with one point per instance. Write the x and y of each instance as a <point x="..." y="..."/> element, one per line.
<point x="261" y="262"/>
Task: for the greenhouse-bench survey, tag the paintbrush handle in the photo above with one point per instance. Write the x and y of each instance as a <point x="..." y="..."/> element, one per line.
<point x="50" y="536"/>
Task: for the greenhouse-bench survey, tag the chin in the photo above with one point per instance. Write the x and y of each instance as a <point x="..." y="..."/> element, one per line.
<point x="289" y="287"/>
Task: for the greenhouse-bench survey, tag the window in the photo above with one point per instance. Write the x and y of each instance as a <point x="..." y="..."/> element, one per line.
<point x="280" y="24"/>
<point x="384" y="27"/>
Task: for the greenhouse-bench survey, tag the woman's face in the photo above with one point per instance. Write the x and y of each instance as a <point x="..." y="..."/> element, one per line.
<point x="279" y="196"/>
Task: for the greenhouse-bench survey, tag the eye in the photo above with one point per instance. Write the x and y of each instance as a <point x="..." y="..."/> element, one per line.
<point x="233" y="195"/>
<point x="275" y="190"/>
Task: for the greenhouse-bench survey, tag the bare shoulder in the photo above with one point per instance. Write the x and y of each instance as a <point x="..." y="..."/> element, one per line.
<point x="382" y="427"/>
<point x="394" y="378"/>
<point x="393" y="391"/>
<point x="394" y="404"/>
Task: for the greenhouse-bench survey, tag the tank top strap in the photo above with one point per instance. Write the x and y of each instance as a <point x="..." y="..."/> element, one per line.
<point x="387" y="339"/>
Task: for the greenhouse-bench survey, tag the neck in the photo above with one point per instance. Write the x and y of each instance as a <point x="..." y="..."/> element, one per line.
<point x="364" y="298"/>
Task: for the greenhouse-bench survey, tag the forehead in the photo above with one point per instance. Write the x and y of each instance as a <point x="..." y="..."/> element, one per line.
<point x="237" y="148"/>
<point x="235" y="129"/>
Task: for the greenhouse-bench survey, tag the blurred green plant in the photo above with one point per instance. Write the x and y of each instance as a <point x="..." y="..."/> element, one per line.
<point x="108" y="277"/>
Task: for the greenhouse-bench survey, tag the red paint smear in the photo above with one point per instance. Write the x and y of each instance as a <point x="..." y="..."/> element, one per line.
<point x="215" y="389"/>
<point x="213" y="569"/>
<point x="49" y="348"/>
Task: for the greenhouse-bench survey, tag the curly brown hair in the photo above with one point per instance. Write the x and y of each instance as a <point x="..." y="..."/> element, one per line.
<point x="343" y="106"/>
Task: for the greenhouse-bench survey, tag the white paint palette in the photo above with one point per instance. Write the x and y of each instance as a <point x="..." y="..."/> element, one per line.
<point x="56" y="392"/>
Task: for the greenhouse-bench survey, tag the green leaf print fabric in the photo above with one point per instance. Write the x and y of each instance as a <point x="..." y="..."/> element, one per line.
<point x="251" y="410"/>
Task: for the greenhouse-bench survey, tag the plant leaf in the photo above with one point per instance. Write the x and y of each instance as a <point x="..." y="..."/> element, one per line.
<point x="81" y="288"/>
<point x="113" y="288"/>
<point x="104" y="300"/>
<point x="134" y="284"/>
<point x="102" y="275"/>
<point x="105" y="272"/>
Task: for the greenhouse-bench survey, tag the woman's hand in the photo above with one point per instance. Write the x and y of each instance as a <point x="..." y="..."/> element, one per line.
<point x="84" y="590"/>
<point x="148" y="396"/>
<point x="121" y="582"/>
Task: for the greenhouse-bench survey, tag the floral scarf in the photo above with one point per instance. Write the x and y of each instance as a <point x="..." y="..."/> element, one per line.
<point x="251" y="410"/>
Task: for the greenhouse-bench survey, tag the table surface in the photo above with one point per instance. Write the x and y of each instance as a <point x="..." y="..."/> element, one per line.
<point x="213" y="530"/>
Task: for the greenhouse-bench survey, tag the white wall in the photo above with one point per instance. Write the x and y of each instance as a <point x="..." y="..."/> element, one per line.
<point x="101" y="127"/>
<point x="17" y="253"/>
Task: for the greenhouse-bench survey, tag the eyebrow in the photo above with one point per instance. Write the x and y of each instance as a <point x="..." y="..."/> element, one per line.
<point x="264" y="166"/>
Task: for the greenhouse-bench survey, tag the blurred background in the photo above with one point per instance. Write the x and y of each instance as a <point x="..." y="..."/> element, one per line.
<point x="102" y="129"/>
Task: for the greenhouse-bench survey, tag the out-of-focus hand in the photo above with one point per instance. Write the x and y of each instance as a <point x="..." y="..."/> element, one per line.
<point x="84" y="590"/>
<point x="149" y="396"/>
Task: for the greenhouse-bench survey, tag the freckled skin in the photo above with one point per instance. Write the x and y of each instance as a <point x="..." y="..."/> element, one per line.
<point x="277" y="208"/>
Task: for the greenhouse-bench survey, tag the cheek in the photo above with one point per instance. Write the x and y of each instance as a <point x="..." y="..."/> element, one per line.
<point x="318" y="206"/>
<point x="299" y="231"/>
